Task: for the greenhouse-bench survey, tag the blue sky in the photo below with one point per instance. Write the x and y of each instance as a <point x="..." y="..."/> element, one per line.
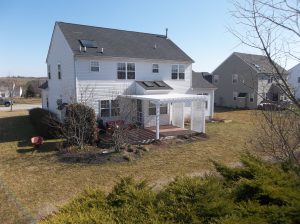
<point x="198" y="27"/>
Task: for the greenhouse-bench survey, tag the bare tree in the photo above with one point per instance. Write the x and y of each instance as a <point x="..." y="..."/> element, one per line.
<point x="272" y="27"/>
<point x="10" y="83"/>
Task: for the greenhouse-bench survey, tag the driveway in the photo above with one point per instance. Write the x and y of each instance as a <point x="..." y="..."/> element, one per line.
<point x="20" y="107"/>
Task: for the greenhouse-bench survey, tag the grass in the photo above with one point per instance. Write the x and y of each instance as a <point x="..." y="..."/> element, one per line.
<point x="34" y="183"/>
<point x="31" y="100"/>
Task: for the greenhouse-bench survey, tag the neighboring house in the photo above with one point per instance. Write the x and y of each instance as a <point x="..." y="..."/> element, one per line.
<point x="244" y="80"/>
<point x="5" y="92"/>
<point x="294" y="80"/>
<point x="107" y="67"/>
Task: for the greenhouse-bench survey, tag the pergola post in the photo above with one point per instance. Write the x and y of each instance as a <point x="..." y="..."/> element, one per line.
<point x="157" y="106"/>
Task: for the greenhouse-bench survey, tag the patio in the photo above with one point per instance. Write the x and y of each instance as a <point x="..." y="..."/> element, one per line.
<point x="148" y="135"/>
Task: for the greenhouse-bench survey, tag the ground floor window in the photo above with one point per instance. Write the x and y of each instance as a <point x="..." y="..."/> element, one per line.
<point x="251" y="99"/>
<point x="235" y="94"/>
<point x="109" y="108"/>
<point x="163" y="109"/>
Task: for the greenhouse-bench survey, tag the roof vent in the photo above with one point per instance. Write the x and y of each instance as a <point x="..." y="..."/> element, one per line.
<point x="166" y="32"/>
<point x="154" y="46"/>
<point x="80" y="48"/>
<point x="84" y="49"/>
<point x="102" y="50"/>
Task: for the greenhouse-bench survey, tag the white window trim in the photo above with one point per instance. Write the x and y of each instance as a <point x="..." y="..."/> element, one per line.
<point x="235" y="77"/>
<point x="178" y="65"/>
<point x="49" y="71"/>
<point x="94" y="66"/>
<point x="126" y="72"/>
<point x="251" y="96"/>
<point x="157" y="68"/>
<point x="235" y="95"/>
<point x="109" y="109"/>
<point x="154" y="107"/>
<point x="216" y="78"/>
<point x="59" y="71"/>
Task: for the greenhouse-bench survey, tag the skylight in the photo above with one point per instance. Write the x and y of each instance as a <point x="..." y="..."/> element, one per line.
<point x="160" y="84"/>
<point x="148" y="84"/>
<point x="88" y="43"/>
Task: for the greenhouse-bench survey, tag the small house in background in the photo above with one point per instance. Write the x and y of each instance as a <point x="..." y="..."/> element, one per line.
<point x="132" y="76"/>
<point x="294" y="80"/>
<point x="244" y="80"/>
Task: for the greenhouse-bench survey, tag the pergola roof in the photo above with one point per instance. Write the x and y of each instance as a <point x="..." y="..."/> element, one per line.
<point x="167" y="98"/>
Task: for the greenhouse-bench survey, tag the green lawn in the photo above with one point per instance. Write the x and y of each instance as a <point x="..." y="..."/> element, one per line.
<point x="33" y="184"/>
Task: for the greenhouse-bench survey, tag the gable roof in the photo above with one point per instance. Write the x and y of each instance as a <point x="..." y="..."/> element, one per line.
<point x="121" y="43"/>
<point x="259" y="63"/>
<point x="198" y="81"/>
<point x="154" y="85"/>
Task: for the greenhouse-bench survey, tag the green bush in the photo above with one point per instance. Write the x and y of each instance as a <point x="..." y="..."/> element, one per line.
<point x="79" y="126"/>
<point x="257" y="192"/>
<point x="44" y="122"/>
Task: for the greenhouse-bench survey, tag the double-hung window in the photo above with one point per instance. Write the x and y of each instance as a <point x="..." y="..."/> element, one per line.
<point x="216" y="78"/>
<point x="298" y="79"/>
<point x="115" y="108"/>
<point x="126" y="70"/>
<point x="234" y="78"/>
<point x="163" y="109"/>
<point x="59" y="71"/>
<point x="104" y="108"/>
<point x="178" y="72"/>
<point x="109" y="108"/>
<point x="49" y="71"/>
<point x="95" y="66"/>
<point x="235" y="95"/>
<point x="251" y="98"/>
<point x="155" y="68"/>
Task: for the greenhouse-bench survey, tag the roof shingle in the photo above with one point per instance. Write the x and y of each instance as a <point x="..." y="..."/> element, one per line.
<point x="121" y="43"/>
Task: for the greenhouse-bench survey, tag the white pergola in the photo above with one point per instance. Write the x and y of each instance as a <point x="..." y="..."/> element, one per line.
<point x="197" y="108"/>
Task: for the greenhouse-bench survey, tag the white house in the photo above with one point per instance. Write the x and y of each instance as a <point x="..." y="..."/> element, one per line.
<point x="294" y="80"/>
<point x="104" y="66"/>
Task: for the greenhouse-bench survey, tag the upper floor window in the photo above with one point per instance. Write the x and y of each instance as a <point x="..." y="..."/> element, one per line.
<point x="178" y="71"/>
<point x="298" y="79"/>
<point x="126" y="70"/>
<point x="270" y="79"/>
<point x="234" y="78"/>
<point x="95" y="66"/>
<point x="59" y="71"/>
<point x="49" y="71"/>
<point x="155" y="68"/>
<point x="216" y="78"/>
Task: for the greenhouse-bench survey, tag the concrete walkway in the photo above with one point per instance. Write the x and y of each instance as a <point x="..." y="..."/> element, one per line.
<point x="20" y="107"/>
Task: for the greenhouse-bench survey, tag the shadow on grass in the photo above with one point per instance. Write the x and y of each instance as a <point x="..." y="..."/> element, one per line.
<point x="93" y="157"/>
<point x="44" y="148"/>
<point x="16" y="128"/>
<point x="228" y="109"/>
